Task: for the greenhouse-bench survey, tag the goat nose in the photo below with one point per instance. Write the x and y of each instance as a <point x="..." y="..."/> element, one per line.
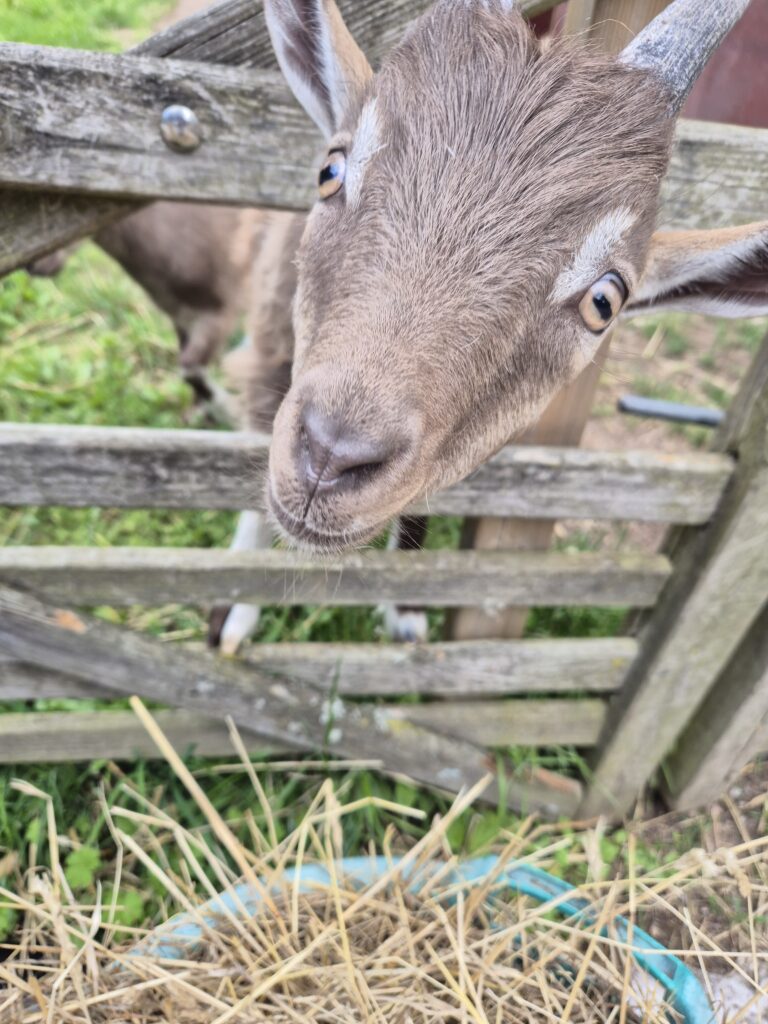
<point x="334" y="454"/>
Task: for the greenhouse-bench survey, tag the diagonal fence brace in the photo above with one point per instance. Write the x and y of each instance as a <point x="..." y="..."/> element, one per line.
<point x="280" y="710"/>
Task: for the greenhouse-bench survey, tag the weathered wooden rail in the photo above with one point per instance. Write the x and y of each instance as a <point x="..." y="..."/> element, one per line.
<point x="465" y="670"/>
<point x="154" y="576"/>
<point x="257" y="143"/>
<point x="29" y="738"/>
<point x="58" y="136"/>
<point x="469" y="674"/>
<point x="297" y="716"/>
<point x="68" y="165"/>
<point x="474" y="688"/>
<point x="139" y="468"/>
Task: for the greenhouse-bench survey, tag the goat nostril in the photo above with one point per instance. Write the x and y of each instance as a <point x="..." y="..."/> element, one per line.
<point x="332" y="453"/>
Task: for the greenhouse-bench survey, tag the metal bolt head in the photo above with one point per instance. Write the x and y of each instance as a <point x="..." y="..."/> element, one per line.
<point x="180" y="128"/>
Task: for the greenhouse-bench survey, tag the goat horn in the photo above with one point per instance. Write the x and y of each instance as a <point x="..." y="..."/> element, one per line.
<point x="678" y="42"/>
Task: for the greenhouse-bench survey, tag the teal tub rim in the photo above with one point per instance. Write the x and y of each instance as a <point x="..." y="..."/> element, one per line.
<point x="683" y="991"/>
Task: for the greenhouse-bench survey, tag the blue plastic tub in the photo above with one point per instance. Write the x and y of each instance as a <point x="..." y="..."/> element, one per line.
<point x="683" y="991"/>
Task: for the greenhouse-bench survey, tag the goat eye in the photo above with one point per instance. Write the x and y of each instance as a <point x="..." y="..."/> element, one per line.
<point x="603" y="301"/>
<point x="332" y="174"/>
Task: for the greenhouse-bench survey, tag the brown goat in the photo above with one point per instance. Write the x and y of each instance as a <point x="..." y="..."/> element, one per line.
<point x="486" y="211"/>
<point x="213" y="269"/>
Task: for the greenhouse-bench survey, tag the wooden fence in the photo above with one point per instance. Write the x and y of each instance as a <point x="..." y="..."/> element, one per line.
<point x="632" y="700"/>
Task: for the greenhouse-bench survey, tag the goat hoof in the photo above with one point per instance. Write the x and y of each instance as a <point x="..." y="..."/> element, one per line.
<point x="406" y="625"/>
<point x="230" y="627"/>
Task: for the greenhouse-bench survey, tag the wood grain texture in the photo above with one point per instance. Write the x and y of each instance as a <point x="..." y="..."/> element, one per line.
<point x="493" y="723"/>
<point x="258" y="147"/>
<point x="473" y="669"/>
<point x="130" y="467"/>
<point x="153" y="576"/>
<point x="55" y="737"/>
<point x="615" y="23"/>
<point x="35" y="222"/>
<point x="232" y="32"/>
<point x="578" y="16"/>
<point x="140" y="468"/>
<point x="50" y="737"/>
<point x="718" y="589"/>
<point x="717" y="178"/>
<point x="728" y="730"/>
<point x="297" y="716"/>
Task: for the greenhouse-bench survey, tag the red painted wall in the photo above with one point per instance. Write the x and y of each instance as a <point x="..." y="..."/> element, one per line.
<point x="734" y="85"/>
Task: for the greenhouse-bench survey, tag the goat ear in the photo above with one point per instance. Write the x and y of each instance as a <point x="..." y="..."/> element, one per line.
<point x="722" y="272"/>
<point x="324" y="66"/>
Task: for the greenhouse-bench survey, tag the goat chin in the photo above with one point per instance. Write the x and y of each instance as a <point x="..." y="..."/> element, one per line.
<point x="301" y="537"/>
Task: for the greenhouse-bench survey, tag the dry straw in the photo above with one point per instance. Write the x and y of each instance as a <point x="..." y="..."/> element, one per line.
<point x="390" y="953"/>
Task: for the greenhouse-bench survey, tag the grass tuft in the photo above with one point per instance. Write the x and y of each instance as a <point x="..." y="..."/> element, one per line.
<point x="82" y="25"/>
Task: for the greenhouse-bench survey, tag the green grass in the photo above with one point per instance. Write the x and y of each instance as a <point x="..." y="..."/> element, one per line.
<point x="679" y="333"/>
<point x="89" y="348"/>
<point x="676" y="340"/>
<point x="79" y="24"/>
<point x="740" y="334"/>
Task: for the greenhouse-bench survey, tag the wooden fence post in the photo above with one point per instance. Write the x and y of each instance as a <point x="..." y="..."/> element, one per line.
<point x="717" y="590"/>
<point x="612" y="24"/>
<point x="728" y="730"/>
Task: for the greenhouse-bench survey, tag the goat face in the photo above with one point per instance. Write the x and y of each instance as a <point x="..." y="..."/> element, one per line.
<point x="485" y="213"/>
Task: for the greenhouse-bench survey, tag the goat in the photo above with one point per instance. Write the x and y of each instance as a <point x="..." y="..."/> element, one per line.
<point x="485" y="213"/>
<point x="209" y="268"/>
<point x="260" y="370"/>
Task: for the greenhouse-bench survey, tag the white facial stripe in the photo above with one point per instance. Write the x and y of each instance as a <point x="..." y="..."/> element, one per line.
<point x="594" y="254"/>
<point x="366" y="144"/>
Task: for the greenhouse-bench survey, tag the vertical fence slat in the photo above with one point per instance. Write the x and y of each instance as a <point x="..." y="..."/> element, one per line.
<point x="729" y="728"/>
<point x="717" y="590"/>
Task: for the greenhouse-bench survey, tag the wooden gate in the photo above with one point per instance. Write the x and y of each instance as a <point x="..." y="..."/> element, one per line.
<point x="64" y="174"/>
